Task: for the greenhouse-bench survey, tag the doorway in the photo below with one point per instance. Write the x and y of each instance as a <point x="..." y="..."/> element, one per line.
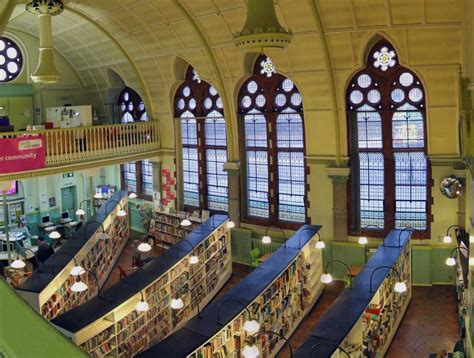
<point x="68" y="200"/>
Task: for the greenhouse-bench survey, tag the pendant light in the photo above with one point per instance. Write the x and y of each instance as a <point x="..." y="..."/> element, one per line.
<point x="142" y="306"/>
<point x="363" y="240"/>
<point x="144" y="247"/>
<point x="185" y="222"/>
<point x="79" y="286"/>
<point x="230" y="224"/>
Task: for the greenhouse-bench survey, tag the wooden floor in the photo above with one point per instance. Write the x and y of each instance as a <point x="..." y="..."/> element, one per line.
<point x="430" y="323"/>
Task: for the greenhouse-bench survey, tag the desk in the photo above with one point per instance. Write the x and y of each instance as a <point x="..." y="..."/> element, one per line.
<point x="355" y="270"/>
<point x="46" y="228"/>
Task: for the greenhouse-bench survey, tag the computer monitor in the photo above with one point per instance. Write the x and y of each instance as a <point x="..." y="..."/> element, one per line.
<point x="65" y="215"/>
<point x="45" y="219"/>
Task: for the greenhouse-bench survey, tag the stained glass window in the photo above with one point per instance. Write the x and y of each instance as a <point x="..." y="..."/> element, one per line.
<point x="272" y="114"/>
<point x="388" y="148"/>
<point x="204" y="143"/>
<point x="11" y="60"/>
<point x="132" y="108"/>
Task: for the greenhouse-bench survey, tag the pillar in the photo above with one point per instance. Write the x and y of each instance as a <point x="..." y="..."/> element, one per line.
<point x="156" y="166"/>
<point x="233" y="175"/>
<point x="463" y="201"/>
<point x="339" y="177"/>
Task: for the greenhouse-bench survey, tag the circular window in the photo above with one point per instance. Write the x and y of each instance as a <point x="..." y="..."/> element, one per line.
<point x="364" y="81"/>
<point x="252" y="87"/>
<point x="260" y="100"/>
<point x="397" y="95"/>
<point x="287" y="85"/>
<point x="126" y="96"/>
<point x="192" y="103"/>
<point x="296" y="99"/>
<point x="356" y="97"/>
<point x="208" y="103"/>
<point x="11" y="60"/>
<point x="246" y="101"/>
<point x="374" y="96"/>
<point x="212" y="91"/>
<point x="181" y="104"/>
<point x="280" y="100"/>
<point x="219" y="103"/>
<point x="186" y="91"/>
<point x="406" y="79"/>
<point x="415" y="94"/>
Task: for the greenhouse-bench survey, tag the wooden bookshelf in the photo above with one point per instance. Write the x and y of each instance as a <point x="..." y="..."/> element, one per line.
<point x="279" y="293"/>
<point x="362" y="322"/>
<point x="48" y="290"/>
<point x="167" y="229"/>
<point x="110" y="326"/>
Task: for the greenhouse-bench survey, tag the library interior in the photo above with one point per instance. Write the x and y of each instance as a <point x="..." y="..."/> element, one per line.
<point x="236" y="178"/>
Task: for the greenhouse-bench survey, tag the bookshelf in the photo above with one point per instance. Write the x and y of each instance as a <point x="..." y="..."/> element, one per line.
<point x="166" y="227"/>
<point x="48" y="290"/>
<point x="362" y="322"/>
<point x="109" y="325"/>
<point x="279" y="293"/>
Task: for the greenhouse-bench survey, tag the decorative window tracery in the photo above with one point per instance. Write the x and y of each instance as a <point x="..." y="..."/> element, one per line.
<point x="132" y="108"/>
<point x="11" y="60"/>
<point x="275" y="172"/>
<point x="386" y="118"/>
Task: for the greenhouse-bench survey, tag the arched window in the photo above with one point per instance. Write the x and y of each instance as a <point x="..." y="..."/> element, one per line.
<point x="390" y="177"/>
<point x="204" y="144"/>
<point x="132" y="108"/>
<point x="275" y="170"/>
<point x="11" y="60"/>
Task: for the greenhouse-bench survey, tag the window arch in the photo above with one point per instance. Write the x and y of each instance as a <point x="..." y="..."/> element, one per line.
<point x="132" y="107"/>
<point x="272" y="123"/>
<point x="204" y="144"/>
<point x="11" y="60"/>
<point x="390" y="176"/>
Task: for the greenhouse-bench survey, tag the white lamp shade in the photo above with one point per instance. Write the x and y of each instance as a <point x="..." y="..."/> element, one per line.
<point x="193" y="260"/>
<point x="142" y="306"/>
<point x="185" y="222"/>
<point x="54" y="235"/>
<point x="251" y="326"/>
<point x="18" y="264"/>
<point x="400" y="287"/>
<point x="80" y="212"/>
<point x="447" y="239"/>
<point x="78" y="286"/>
<point x="320" y="245"/>
<point x="326" y="278"/>
<point x="450" y="261"/>
<point x="77" y="271"/>
<point x="144" y="247"/>
<point x="121" y="213"/>
<point x="230" y="224"/>
<point x="98" y="195"/>
<point x="132" y="195"/>
<point x="471" y="261"/>
<point x="177" y="303"/>
<point x="363" y="240"/>
<point x="266" y="239"/>
<point x="250" y="351"/>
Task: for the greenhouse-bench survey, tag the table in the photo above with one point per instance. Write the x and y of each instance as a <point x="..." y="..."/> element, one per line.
<point x="265" y="257"/>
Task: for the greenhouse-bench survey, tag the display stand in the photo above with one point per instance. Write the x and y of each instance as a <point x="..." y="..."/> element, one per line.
<point x="280" y="293"/>
<point x="361" y="322"/>
<point x="167" y="229"/>
<point x="109" y="325"/>
<point x="47" y="290"/>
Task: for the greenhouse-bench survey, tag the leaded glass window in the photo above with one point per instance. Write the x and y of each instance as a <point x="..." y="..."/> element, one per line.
<point x="11" y="60"/>
<point x="129" y="179"/>
<point x="272" y="114"/>
<point x="132" y="108"/>
<point x="147" y="177"/>
<point x="386" y="117"/>
<point x="204" y="144"/>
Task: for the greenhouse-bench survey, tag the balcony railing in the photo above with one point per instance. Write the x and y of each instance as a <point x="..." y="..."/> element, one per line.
<point x="75" y="145"/>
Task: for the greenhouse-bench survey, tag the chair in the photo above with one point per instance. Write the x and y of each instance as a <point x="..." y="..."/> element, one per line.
<point x="254" y="255"/>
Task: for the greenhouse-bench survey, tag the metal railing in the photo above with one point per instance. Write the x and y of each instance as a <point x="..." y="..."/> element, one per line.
<point x="80" y="144"/>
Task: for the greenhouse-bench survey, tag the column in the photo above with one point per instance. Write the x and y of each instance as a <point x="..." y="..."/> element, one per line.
<point x="339" y="177"/>
<point x="156" y="165"/>
<point x="233" y="175"/>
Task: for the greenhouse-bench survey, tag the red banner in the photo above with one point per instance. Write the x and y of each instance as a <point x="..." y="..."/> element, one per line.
<point x="22" y="154"/>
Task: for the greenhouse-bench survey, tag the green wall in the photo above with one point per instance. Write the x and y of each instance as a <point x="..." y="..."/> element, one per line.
<point x="24" y="333"/>
<point x="428" y="261"/>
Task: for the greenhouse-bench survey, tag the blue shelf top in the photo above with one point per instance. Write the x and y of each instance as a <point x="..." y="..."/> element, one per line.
<point x="198" y="331"/>
<point x="339" y="319"/>
<point x="99" y="306"/>
<point x="41" y="278"/>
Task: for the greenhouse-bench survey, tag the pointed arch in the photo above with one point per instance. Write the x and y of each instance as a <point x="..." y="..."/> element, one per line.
<point x="200" y="110"/>
<point x="132" y="108"/>
<point x="274" y="174"/>
<point x="386" y="119"/>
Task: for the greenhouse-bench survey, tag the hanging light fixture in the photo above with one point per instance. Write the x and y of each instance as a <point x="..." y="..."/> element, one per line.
<point x="142" y="306"/>
<point x="54" y="235"/>
<point x="250" y="350"/>
<point x="185" y="222"/>
<point x="326" y="278"/>
<point x="80" y="212"/>
<point x="17" y="264"/>
<point x="262" y="28"/>
<point x="177" y="303"/>
<point x="46" y="71"/>
<point x="363" y="240"/>
<point x="79" y="286"/>
<point x="144" y="247"/>
<point x="230" y="224"/>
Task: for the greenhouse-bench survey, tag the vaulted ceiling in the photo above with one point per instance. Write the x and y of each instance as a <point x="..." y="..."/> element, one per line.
<point x="140" y="40"/>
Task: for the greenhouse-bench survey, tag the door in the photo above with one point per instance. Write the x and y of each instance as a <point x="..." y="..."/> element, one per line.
<point x="68" y="200"/>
